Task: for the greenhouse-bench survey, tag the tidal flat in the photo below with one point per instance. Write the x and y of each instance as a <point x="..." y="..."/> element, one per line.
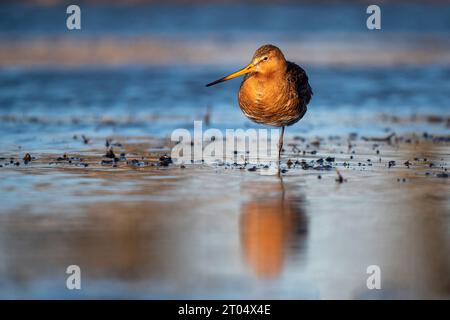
<point x="140" y="226"/>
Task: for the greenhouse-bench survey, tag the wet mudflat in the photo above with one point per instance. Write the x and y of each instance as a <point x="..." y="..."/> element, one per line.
<point x="140" y="226"/>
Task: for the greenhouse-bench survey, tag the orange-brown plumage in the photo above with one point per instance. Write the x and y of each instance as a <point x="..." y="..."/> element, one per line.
<point x="277" y="93"/>
<point x="274" y="91"/>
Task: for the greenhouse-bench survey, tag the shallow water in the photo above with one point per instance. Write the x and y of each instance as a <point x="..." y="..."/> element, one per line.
<point x="145" y="100"/>
<point x="157" y="232"/>
<point x="142" y="230"/>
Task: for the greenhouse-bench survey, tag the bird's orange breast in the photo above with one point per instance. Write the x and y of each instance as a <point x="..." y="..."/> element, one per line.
<point x="270" y="101"/>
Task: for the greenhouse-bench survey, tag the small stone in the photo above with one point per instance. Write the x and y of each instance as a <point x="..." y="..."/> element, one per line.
<point x="289" y="163"/>
<point x="27" y="158"/>
<point x="110" y="153"/>
<point x="165" y="160"/>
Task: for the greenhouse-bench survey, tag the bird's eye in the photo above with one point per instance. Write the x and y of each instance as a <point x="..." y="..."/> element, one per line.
<point x="266" y="58"/>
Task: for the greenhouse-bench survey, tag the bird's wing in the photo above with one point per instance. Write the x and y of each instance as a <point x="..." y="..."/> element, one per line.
<point x="298" y="77"/>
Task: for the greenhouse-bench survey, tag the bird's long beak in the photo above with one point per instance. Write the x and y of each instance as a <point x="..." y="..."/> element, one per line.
<point x="249" y="68"/>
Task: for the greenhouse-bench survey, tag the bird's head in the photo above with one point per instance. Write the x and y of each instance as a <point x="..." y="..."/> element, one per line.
<point x="267" y="60"/>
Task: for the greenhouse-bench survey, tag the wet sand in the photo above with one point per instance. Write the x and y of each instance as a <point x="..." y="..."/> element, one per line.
<point x="142" y="227"/>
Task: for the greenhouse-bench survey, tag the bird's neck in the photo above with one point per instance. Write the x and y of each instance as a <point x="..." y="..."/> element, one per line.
<point x="271" y="79"/>
<point x="275" y="74"/>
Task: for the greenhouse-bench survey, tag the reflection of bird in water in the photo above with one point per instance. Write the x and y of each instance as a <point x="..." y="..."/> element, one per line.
<point x="270" y="224"/>
<point x="274" y="91"/>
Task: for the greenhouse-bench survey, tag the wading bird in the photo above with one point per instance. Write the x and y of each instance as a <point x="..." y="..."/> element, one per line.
<point x="274" y="91"/>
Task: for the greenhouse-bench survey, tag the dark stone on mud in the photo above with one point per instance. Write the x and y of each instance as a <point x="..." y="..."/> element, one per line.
<point x="106" y="162"/>
<point x="27" y="158"/>
<point x="165" y="160"/>
<point x="305" y="165"/>
<point x="442" y="175"/>
<point x="351" y="157"/>
<point x="407" y="163"/>
<point x="182" y="166"/>
<point x="283" y="171"/>
<point x="110" y="153"/>
<point x="17" y="163"/>
<point x="329" y="159"/>
<point x="313" y="152"/>
<point x="323" y="167"/>
<point x="319" y="160"/>
<point x="391" y="163"/>
<point x="289" y="163"/>
<point x="319" y="177"/>
<point x="252" y="168"/>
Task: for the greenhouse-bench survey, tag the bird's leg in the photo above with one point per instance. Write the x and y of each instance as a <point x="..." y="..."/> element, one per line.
<point x="280" y="144"/>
